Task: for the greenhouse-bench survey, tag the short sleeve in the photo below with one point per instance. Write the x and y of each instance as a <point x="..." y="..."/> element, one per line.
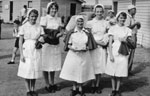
<point x="111" y="31"/>
<point x="21" y="31"/>
<point x="43" y="21"/>
<point x="129" y="32"/>
<point x="107" y="25"/>
<point x="88" y="24"/>
<point x="59" y="21"/>
<point x="42" y="30"/>
<point x="70" y="40"/>
<point x="128" y="21"/>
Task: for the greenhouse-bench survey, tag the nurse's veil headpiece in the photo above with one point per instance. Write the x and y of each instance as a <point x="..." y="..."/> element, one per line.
<point x="120" y="13"/>
<point x="48" y="5"/>
<point x="27" y="17"/>
<point x="98" y="5"/>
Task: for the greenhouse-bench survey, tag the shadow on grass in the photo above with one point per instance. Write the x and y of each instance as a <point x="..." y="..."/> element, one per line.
<point x="7" y="38"/>
<point x="140" y="67"/>
<point x="132" y="84"/>
<point x="7" y="56"/>
<point x="61" y="85"/>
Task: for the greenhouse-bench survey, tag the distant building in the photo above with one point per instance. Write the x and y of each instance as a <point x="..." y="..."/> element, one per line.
<point x="142" y="15"/>
<point x="89" y="4"/>
<point x="10" y="9"/>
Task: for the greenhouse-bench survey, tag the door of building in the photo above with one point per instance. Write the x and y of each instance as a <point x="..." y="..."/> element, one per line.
<point x="115" y="5"/>
<point x="11" y="11"/>
<point x="72" y="9"/>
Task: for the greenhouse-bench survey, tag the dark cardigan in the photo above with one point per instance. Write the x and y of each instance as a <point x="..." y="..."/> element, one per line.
<point x="91" y="42"/>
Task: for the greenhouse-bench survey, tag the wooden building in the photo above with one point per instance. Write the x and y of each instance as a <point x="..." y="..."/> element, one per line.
<point x="142" y="15"/>
<point x="10" y="9"/>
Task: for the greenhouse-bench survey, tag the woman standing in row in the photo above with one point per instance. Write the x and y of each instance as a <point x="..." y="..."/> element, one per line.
<point x="117" y="64"/>
<point x="51" y="59"/>
<point x="99" y="29"/>
<point x="78" y="64"/>
<point x="30" y="59"/>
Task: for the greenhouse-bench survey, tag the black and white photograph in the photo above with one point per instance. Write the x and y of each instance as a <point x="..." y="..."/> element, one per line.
<point x="74" y="47"/>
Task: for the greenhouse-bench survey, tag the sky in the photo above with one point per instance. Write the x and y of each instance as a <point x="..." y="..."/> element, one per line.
<point x="104" y="2"/>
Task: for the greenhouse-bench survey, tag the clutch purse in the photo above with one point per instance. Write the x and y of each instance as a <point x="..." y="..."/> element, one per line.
<point x="38" y="45"/>
<point x="51" y="37"/>
<point x="123" y="49"/>
<point x="130" y="43"/>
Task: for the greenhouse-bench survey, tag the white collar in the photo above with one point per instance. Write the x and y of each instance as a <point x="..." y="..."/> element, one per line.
<point x="49" y="16"/>
<point x="28" y="24"/>
<point x="94" y="19"/>
<point x="83" y="30"/>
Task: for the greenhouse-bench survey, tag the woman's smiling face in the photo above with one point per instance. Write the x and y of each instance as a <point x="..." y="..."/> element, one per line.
<point x="121" y="19"/>
<point x="99" y="12"/>
<point x="80" y="23"/>
<point x="53" y="10"/>
<point x="33" y="17"/>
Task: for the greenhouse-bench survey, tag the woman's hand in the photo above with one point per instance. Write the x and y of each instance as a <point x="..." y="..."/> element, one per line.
<point x="59" y="34"/>
<point x="123" y="39"/>
<point x="41" y="39"/>
<point x="112" y="58"/>
<point x="22" y="58"/>
<point x="101" y="43"/>
<point x="75" y="50"/>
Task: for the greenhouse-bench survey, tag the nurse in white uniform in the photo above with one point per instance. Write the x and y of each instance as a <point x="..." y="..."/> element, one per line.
<point x="51" y="57"/>
<point x="30" y="59"/>
<point x="78" y="64"/>
<point x="99" y="29"/>
<point x="117" y="64"/>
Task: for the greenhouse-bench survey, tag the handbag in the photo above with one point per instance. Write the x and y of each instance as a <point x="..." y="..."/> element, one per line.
<point x="38" y="45"/>
<point x="123" y="49"/>
<point x="51" y="36"/>
<point x="130" y="43"/>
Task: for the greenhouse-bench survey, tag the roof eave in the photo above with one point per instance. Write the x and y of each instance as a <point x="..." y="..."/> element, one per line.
<point x="82" y="1"/>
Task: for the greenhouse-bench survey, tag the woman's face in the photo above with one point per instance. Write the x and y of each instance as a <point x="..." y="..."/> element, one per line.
<point x="110" y="14"/>
<point x="33" y="18"/>
<point x="121" y="19"/>
<point x="99" y="12"/>
<point x="53" y="11"/>
<point x="133" y="11"/>
<point x="80" y="23"/>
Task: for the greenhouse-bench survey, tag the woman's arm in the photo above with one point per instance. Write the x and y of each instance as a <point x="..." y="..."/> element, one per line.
<point x="21" y="48"/>
<point x="60" y="34"/>
<point x="110" y="48"/>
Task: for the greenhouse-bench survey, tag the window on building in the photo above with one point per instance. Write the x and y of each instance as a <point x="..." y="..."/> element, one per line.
<point x="0" y="6"/>
<point x="134" y="2"/>
<point x="29" y="4"/>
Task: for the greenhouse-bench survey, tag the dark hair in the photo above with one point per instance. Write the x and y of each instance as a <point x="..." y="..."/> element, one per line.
<point x="99" y="6"/>
<point x="131" y="9"/>
<point x="53" y="4"/>
<point x="25" y="6"/>
<point x="111" y="12"/>
<point x="123" y="14"/>
<point x="17" y="22"/>
<point x="34" y="11"/>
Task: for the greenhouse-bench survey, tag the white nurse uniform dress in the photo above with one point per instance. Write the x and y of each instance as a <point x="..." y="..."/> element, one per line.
<point x="78" y="65"/>
<point x="31" y="68"/>
<point x="51" y="54"/>
<point x="119" y="67"/>
<point x="99" y="28"/>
